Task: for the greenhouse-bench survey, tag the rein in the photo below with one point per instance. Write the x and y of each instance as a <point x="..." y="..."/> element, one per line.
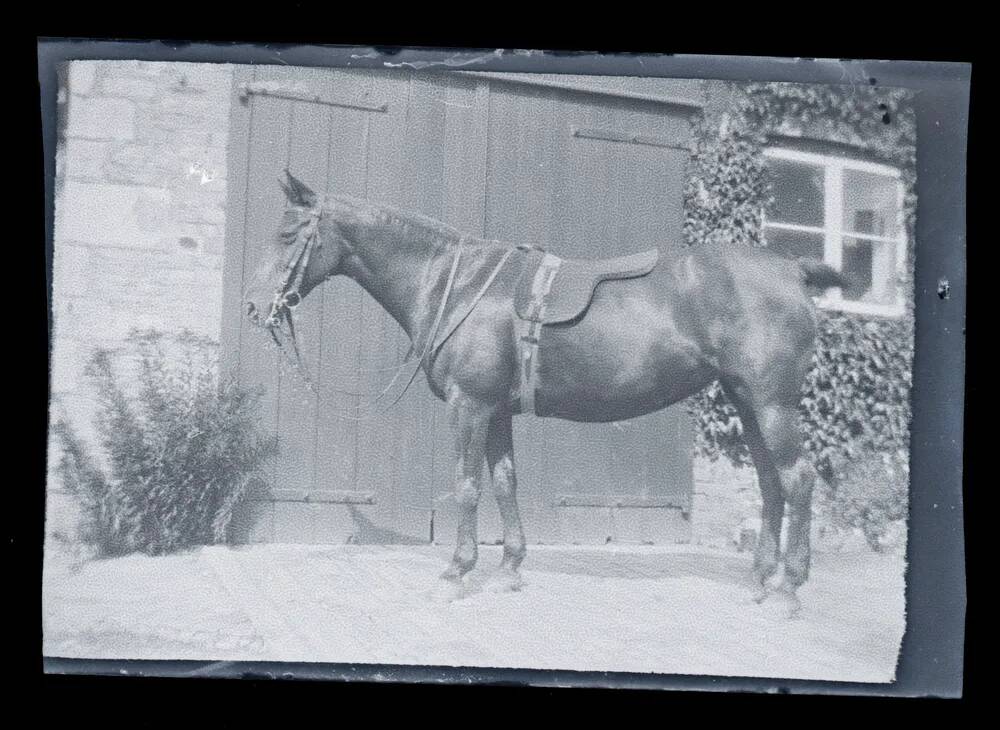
<point x="287" y="297"/>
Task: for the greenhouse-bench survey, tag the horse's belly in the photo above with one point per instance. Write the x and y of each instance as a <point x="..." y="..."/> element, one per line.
<point x="614" y="365"/>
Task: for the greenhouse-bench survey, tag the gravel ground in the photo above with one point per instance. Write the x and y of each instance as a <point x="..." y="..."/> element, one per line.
<point x="676" y="609"/>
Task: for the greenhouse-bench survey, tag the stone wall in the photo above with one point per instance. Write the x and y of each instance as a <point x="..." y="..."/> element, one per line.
<point x="725" y="506"/>
<point x="140" y="212"/>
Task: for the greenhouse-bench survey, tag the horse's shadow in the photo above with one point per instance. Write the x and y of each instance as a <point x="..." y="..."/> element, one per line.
<point x="368" y="533"/>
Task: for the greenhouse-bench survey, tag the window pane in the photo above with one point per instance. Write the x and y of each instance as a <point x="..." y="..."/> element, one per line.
<point x="795" y="244"/>
<point x="871" y="204"/>
<point x="798" y="193"/>
<point x="871" y="267"/>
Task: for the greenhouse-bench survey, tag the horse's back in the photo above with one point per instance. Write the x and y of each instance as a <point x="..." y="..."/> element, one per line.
<point x="647" y="342"/>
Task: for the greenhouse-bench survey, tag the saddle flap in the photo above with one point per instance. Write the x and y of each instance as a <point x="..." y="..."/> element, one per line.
<point x="575" y="281"/>
<point x="524" y="296"/>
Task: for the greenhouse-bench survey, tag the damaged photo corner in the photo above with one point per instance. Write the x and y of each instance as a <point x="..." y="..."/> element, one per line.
<point x="505" y="366"/>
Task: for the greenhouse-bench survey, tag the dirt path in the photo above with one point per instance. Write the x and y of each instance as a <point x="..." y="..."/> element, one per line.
<point x="636" y="609"/>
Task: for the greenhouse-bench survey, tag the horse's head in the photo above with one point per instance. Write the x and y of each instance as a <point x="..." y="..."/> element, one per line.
<point x="307" y="250"/>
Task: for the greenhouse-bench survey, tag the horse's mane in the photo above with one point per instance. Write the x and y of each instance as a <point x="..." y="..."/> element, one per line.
<point x="295" y="218"/>
<point x="389" y="214"/>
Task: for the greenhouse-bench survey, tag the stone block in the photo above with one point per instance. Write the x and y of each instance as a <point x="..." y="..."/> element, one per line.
<point x="204" y="168"/>
<point x="82" y="75"/>
<point x="128" y="83"/>
<point x="209" y="237"/>
<point x="202" y="209"/>
<point x="175" y="122"/>
<point x="99" y="321"/>
<point x="71" y="269"/>
<point x="136" y="163"/>
<point x="84" y="158"/>
<point x="113" y="215"/>
<point x="101" y="118"/>
<point x="68" y="361"/>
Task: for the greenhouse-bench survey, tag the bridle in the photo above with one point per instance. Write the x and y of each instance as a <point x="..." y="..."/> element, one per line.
<point x="288" y="296"/>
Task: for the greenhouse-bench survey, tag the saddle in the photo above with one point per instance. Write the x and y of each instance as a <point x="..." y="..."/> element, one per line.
<point x="551" y="290"/>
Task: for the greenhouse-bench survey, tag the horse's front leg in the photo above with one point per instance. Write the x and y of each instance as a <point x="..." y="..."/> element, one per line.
<point x="500" y="460"/>
<point x="469" y="423"/>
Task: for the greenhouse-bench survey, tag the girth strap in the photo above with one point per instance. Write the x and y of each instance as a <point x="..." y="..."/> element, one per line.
<point x="530" y="330"/>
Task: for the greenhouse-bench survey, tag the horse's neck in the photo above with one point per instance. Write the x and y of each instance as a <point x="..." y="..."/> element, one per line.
<point x="401" y="269"/>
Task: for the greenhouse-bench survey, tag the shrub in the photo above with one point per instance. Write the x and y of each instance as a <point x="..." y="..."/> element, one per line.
<point x="857" y="393"/>
<point x="727" y="189"/>
<point x="181" y="451"/>
<point x="870" y="495"/>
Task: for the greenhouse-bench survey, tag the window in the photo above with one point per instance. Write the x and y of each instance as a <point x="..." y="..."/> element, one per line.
<point x="847" y="212"/>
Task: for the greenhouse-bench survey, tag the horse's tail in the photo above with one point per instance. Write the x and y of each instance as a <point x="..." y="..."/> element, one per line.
<point x="818" y="275"/>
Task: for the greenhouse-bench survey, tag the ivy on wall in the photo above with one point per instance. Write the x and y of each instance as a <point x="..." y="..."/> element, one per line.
<point x="855" y="402"/>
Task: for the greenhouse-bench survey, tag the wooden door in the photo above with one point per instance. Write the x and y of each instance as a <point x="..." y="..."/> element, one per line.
<point x="337" y="478"/>
<point x="512" y="162"/>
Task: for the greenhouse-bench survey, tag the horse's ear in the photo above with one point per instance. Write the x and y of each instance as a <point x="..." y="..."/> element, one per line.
<point x="297" y="192"/>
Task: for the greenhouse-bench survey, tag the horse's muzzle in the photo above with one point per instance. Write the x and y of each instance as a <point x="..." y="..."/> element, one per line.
<point x="254" y="315"/>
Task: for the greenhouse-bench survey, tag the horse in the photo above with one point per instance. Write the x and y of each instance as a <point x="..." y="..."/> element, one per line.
<point x="736" y="314"/>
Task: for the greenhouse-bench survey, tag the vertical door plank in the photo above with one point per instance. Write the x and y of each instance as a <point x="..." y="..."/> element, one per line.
<point x="336" y="447"/>
<point x="297" y="416"/>
<point x="234" y="259"/>
<point x="260" y="362"/>
<point x="397" y="513"/>
<point x="425" y="437"/>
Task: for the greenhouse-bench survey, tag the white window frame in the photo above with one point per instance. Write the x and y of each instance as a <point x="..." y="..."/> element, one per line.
<point x="832" y="230"/>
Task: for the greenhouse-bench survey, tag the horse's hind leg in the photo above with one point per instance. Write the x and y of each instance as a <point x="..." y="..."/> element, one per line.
<point x="772" y="433"/>
<point x="768" y="549"/>
<point x="780" y="427"/>
<point x="469" y="422"/>
<point x="500" y="459"/>
<point x="798" y="481"/>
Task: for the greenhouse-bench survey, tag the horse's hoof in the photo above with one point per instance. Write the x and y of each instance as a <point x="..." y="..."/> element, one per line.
<point x="758" y="593"/>
<point x="447" y="591"/>
<point x="504" y="581"/>
<point x="790" y="603"/>
<point x="775" y="581"/>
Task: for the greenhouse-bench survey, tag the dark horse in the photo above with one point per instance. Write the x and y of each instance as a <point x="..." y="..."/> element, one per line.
<point x="738" y="315"/>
